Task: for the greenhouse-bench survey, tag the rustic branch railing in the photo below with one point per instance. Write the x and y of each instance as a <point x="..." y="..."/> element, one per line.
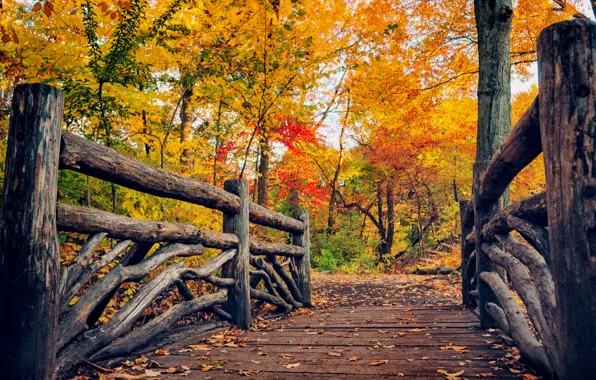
<point x="554" y="270"/>
<point x="69" y="301"/>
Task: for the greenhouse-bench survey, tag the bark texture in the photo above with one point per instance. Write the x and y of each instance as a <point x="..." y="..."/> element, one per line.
<point x="567" y="61"/>
<point x="493" y="24"/>
<point x="238" y="304"/>
<point x="302" y="264"/>
<point x="29" y="252"/>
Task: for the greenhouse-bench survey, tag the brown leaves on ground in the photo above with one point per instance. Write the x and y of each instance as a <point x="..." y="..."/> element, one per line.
<point x="340" y="290"/>
<point x="451" y="376"/>
<point x="460" y="349"/>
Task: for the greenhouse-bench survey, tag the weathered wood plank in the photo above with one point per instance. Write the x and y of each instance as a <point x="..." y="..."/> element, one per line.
<point x="29" y="252"/>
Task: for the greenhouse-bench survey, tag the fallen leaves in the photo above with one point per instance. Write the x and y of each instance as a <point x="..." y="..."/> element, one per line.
<point x="287" y="356"/>
<point x="332" y="353"/>
<point x="379" y="362"/>
<point x="353" y="359"/>
<point x="450" y="376"/>
<point x="291" y="365"/>
<point x="460" y="349"/>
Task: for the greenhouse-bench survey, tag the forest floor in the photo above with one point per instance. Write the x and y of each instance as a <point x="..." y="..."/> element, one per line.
<point x="375" y="326"/>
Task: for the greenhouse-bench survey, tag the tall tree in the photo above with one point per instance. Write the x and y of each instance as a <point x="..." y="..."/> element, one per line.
<point x="493" y="23"/>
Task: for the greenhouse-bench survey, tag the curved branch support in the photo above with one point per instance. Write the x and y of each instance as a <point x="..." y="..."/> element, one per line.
<point x="88" y="273"/>
<point x="129" y="343"/>
<point x="93" y="340"/>
<point x="270" y="298"/>
<point x="219" y="312"/>
<point x="75" y="268"/>
<point x="530" y="348"/>
<point x="540" y="273"/>
<point x="259" y="275"/>
<point x="74" y="321"/>
<point x="280" y="286"/>
<point x="525" y="288"/>
<point x="499" y="316"/>
<point x="536" y="235"/>
<point x="289" y="281"/>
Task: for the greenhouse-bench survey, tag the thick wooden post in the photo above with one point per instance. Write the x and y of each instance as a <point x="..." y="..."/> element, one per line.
<point x="465" y="254"/>
<point x="29" y="251"/>
<point x="567" y="66"/>
<point x="238" y="305"/>
<point x="303" y="263"/>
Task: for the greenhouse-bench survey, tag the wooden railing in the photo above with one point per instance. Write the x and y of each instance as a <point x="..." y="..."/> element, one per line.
<point x="31" y="278"/>
<point x="553" y="268"/>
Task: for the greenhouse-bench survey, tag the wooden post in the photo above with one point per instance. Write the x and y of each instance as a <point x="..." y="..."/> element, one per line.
<point x="303" y="263"/>
<point x="238" y="305"/>
<point x="567" y="63"/>
<point x="465" y="254"/>
<point x="29" y="251"/>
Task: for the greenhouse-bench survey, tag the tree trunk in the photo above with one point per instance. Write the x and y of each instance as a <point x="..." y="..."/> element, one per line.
<point x="381" y="225"/>
<point x="186" y="128"/>
<point x="390" y="219"/>
<point x="263" y="175"/>
<point x="333" y="200"/>
<point x="29" y="252"/>
<point x="493" y="23"/>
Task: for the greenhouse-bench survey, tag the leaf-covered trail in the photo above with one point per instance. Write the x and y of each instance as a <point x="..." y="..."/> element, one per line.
<point x="362" y="326"/>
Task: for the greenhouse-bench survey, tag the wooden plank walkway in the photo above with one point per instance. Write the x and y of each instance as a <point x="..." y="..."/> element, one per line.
<point x="424" y="340"/>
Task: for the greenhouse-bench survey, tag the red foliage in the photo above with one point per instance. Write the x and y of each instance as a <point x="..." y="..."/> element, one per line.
<point x="292" y="133"/>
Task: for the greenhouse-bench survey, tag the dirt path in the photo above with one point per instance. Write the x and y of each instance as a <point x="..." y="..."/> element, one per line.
<point x="361" y="327"/>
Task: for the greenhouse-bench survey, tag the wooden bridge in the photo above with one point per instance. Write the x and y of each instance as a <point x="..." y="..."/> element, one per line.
<point x="43" y="325"/>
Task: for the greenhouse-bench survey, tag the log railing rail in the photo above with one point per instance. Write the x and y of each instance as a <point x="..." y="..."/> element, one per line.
<point x="68" y="301"/>
<point x="553" y="268"/>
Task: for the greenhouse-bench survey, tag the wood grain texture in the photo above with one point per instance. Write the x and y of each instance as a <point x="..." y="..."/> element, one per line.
<point x="29" y="252"/>
<point x="567" y="61"/>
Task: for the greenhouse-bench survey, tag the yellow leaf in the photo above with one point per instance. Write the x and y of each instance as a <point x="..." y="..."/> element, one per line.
<point x="331" y="353"/>
<point x="379" y="362"/>
<point x="293" y="365"/>
<point x="73" y="300"/>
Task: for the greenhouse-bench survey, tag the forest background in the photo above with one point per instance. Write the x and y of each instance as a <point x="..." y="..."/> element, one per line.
<point x="364" y="112"/>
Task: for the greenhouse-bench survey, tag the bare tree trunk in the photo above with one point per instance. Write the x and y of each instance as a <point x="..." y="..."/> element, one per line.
<point x="263" y="177"/>
<point x="381" y="226"/>
<point x="218" y="143"/>
<point x="390" y="219"/>
<point x="333" y="200"/>
<point x="186" y="130"/>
